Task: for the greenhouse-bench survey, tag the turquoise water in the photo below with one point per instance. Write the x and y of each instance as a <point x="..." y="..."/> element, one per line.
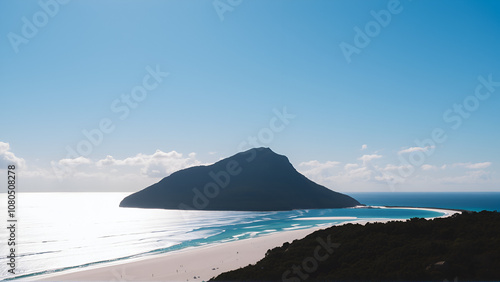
<point x="61" y="231"/>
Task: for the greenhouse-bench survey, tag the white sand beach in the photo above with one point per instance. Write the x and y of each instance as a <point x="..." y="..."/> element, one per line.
<point x="200" y="262"/>
<point x="195" y="264"/>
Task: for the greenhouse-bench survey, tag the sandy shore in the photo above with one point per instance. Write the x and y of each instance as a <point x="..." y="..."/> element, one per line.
<point x="200" y="262"/>
<point x="445" y="211"/>
<point x="196" y="264"/>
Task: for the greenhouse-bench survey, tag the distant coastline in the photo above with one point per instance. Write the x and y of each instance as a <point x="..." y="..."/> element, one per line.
<point x="470" y="201"/>
<point x="430" y="208"/>
<point x="448" y="212"/>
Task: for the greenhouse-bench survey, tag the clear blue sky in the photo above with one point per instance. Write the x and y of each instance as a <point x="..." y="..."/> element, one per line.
<point x="229" y="70"/>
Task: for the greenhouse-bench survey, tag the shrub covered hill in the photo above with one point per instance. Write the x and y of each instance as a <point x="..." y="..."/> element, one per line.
<point x="464" y="247"/>
<point x="254" y="180"/>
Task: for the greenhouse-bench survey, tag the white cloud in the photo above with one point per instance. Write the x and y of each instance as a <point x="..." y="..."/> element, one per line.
<point x="351" y="166"/>
<point x="109" y="160"/>
<point x="479" y="165"/>
<point x="389" y="178"/>
<point x="428" y="167"/>
<point x="366" y="174"/>
<point x="351" y="174"/>
<point x="4" y="147"/>
<point x="317" y="164"/>
<point x="416" y="149"/>
<point x="473" y="165"/>
<point x="361" y="173"/>
<point x="332" y="174"/>
<point x="8" y="158"/>
<point x="317" y="170"/>
<point x="391" y="167"/>
<point x="75" y="162"/>
<point x="470" y="177"/>
<point x="364" y="147"/>
<point x="368" y="158"/>
<point x="390" y="173"/>
<point x="370" y="171"/>
<point x="64" y="168"/>
<point x="347" y="175"/>
<point x="158" y="164"/>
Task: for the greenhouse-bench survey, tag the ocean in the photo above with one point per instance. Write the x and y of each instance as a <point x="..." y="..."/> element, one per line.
<point x="472" y="201"/>
<point x="66" y="231"/>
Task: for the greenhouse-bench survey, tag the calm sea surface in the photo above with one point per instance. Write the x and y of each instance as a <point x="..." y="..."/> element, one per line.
<point x="61" y="231"/>
<point x="467" y="201"/>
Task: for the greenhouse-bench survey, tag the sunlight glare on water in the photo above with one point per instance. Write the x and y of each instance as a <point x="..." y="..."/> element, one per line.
<point x="59" y="231"/>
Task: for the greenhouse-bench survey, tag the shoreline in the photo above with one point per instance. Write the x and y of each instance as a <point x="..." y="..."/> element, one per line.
<point x="187" y="263"/>
<point x="191" y="264"/>
<point x="448" y="212"/>
<point x="430" y="208"/>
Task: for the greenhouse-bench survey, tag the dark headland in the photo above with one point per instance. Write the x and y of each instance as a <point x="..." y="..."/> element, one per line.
<point x="254" y="180"/>
<point x="463" y="247"/>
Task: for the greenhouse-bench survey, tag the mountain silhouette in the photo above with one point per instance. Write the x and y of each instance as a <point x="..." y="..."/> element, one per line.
<point x="254" y="180"/>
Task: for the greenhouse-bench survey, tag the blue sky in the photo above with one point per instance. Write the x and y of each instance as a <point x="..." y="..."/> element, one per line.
<point x="230" y="71"/>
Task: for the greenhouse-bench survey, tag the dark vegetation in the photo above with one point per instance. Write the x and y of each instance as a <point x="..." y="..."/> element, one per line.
<point x="464" y="247"/>
<point x="255" y="180"/>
